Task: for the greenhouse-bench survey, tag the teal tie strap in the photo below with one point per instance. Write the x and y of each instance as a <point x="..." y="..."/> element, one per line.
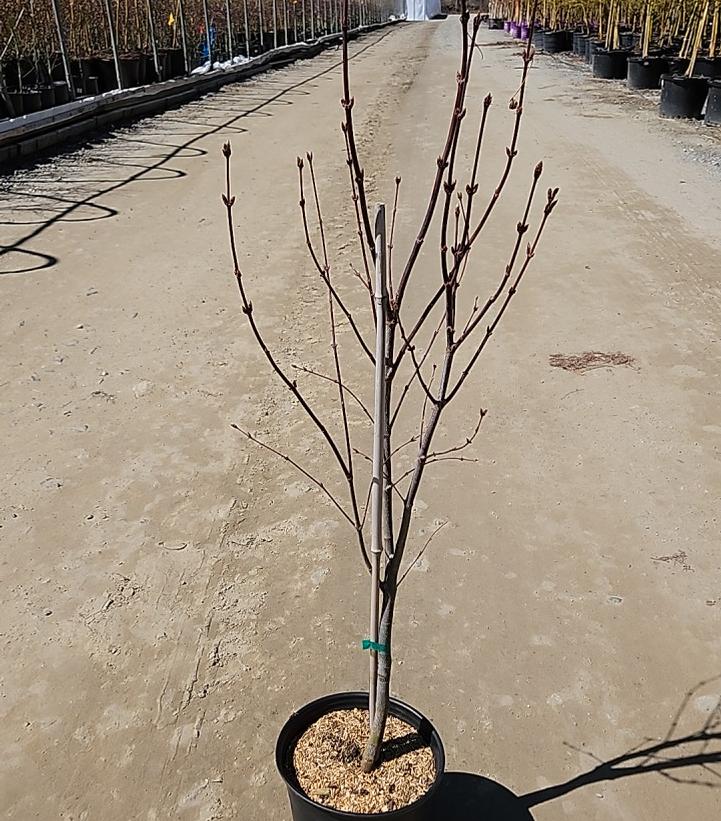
<point x="374" y="645"/>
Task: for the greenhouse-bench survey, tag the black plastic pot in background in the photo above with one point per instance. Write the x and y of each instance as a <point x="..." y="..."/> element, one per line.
<point x="579" y="44"/>
<point x="47" y="97"/>
<point x="304" y="809"/>
<point x="57" y="70"/>
<point x="682" y="96"/>
<point x="16" y="100"/>
<point x="584" y="45"/>
<point x="677" y="65"/>
<point x="713" y="103"/>
<point x="62" y="95"/>
<point x="32" y="102"/>
<point x="495" y="24"/>
<point x="10" y="73"/>
<point x="629" y="39"/>
<point x="537" y="39"/>
<point x="708" y="67"/>
<point x="177" y="62"/>
<point x="91" y="86"/>
<point x="610" y="65"/>
<point x="645" y="72"/>
<point x="593" y="47"/>
<point x="130" y="71"/>
<point x="107" y="79"/>
<point x="556" y="41"/>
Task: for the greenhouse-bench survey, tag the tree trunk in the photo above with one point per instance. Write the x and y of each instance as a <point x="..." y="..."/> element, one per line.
<point x="383" y="688"/>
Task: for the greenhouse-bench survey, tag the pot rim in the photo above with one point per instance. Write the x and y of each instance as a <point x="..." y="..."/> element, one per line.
<point x="287" y="738"/>
<point x="675" y="78"/>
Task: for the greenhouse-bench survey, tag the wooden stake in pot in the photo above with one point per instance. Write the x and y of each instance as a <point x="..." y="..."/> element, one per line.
<point x="247" y="28"/>
<point x="63" y="49"/>
<point x="229" y="25"/>
<point x="379" y="424"/>
<point x="208" y="39"/>
<point x="697" y="41"/>
<point x="113" y="42"/>
<point x="260" y="25"/>
<point x="153" y="43"/>
<point x="183" y="38"/>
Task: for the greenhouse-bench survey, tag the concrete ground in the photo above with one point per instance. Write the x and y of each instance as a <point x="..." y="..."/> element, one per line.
<point x="170" y="592"/>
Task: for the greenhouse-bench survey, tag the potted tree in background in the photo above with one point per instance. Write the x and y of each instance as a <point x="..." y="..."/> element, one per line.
<point x="359" y="754"/>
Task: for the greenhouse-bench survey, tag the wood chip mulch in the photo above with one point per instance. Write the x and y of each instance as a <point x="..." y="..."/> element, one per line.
<point x="327" y="764"/>
<point x="580" y="363"/>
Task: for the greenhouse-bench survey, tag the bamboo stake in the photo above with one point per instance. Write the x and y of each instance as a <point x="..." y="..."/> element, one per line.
<point x="246" y="28"/>
<point x="698" y="39"/>
<point x="153" y="43"/>
<point x="229" y="26"/>
<point x="713" y="43"/>
<point x="275" y="23"/>
<point x="208" y="40"/>
<point x="63" y="49"/>
<point x="183" y="37"/>
<point x="113" y="43"/>
<point x="379" y="423"/>
<point x="260" y="25"/>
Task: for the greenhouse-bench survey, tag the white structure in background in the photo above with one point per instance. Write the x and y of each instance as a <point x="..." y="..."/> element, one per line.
<point x="422" y="9"/>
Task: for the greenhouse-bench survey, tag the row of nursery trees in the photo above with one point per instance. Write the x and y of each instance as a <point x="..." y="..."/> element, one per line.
<point x="32" y="30"/>
<point x="693" y="26"/>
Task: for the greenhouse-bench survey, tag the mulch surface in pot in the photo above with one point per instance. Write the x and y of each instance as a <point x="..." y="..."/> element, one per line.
<point x="327" y="763"/>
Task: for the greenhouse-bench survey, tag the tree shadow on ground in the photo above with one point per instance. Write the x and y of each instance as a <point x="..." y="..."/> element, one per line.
<point x="683" y="758"/>
<point x="17" y="258"/>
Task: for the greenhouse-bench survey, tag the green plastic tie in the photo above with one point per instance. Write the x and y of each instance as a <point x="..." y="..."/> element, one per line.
<point x="374" y="645"/>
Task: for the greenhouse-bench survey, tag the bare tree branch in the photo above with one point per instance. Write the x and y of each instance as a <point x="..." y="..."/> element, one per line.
<point x="350" y="476"/>
<point x="352" y="394"/>
<point x="421" y="552"/>
<point x="300" y="469"/>
<point x="323" y="271"/>
<point x="229" y="202"/>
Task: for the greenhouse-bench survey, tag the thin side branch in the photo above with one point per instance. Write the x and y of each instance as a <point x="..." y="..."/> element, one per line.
<point x="300" y="469"/>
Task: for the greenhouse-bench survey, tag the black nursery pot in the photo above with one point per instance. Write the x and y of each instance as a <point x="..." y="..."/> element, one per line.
<point x="682" y="96"/>
<point x="677" y="65"/>
<point x="592" y="48"/>
<point x="713" y="103"/>
<point x="579" y="43"/>
<point x="610" y="65"/>
<point x="107" y="78"/>
<point x="709" y="67"/>
<point x="555" y="41"/>
<point x="47" y="97"/>
<point x="537" y="40"/>
<point x="32" y="102"/>
<point x="305" y="809"/>
<point x="645" y="72"/>
<point x="16" y="98"/>
<point x="629" y="39"/>
<point x="62" y="95"/>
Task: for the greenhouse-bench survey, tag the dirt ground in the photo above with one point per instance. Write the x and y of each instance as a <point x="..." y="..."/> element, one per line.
<point x="170" y="593"/>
